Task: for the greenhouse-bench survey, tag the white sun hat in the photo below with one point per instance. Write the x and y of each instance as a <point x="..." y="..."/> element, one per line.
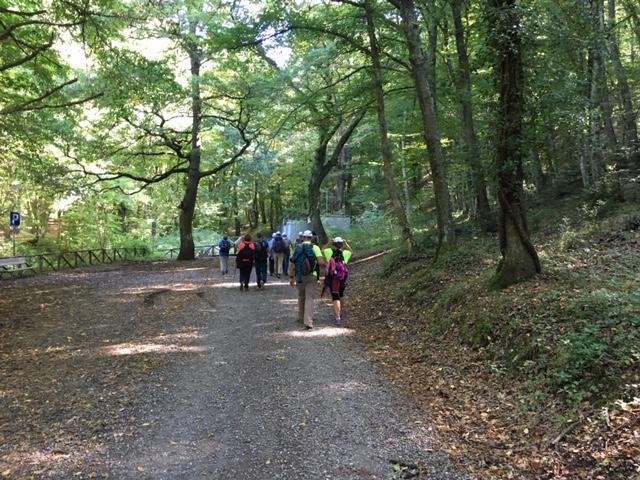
<point x="338" y="240"/>
<point x="307" y="234"/>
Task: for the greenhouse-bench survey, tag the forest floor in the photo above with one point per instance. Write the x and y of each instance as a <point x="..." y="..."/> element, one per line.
<point x="539" y="381"/>
<point x="163" y="370"/>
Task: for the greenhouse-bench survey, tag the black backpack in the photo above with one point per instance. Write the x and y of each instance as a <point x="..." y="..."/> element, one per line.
<point x="305" y="260"/>
<point x="245" y="255"/>
<point x="278" y="244"/>
<point x="261" y="249"/>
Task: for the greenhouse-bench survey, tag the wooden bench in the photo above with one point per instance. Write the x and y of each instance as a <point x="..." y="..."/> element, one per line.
<point x="14" y="266"/>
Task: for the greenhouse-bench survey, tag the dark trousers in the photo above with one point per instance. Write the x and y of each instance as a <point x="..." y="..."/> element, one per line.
<point x="245" y="274"/>
<point x="272" y="265"/>
<point x="261" y="272"/>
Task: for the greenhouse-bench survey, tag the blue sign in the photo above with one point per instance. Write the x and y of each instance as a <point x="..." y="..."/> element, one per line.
<point x="14" y="219"/>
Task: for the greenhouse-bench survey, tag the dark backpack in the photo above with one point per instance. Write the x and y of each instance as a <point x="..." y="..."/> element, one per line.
<point x="225" y="246"/>
<point x="245" y="255"/>
<point x="278" y="244"/>
<point x="261" y="249"/>
<point x="305" y="260"/>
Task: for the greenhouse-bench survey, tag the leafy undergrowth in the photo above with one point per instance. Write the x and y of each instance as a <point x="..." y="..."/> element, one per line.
<point x="540" y="380"/>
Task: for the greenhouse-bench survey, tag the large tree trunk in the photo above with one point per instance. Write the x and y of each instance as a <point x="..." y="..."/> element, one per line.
<point x="428" y="11"/>
<point x="519" y="258"/>
<point x="387" y="155"/>
<point x="600" y="75"/>
<point x="344" y="173"/>
<point x="430" y="127"/>
<point x="468" y="128"/>
<point x="595" y="146"/>
<point x="263" y="209"/>
<point x="188" y="204"/>
<point x="323" y="163"/>
<point x="318" y="174"/>
<point x="629" y="114"/>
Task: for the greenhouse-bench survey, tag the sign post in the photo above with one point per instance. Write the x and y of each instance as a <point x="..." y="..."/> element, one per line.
<point x="14" y="222"/>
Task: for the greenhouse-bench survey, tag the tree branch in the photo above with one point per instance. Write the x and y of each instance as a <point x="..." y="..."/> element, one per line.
<point x="37" y="51"/>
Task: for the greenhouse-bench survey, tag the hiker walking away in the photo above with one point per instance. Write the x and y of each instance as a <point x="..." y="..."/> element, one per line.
<point x="287" y="253"/>
<point x="271" y="259"/>
<point x="337" y="273"/>
<point x="302" y="274"/>
<point x="278" y="248"/>
<point x="260" y="259"/>
<point x="224" y="247"/>
<point x="244" y="261"/>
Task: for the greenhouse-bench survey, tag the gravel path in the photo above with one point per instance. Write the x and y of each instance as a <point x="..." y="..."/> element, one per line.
<point x="224" y="385"/>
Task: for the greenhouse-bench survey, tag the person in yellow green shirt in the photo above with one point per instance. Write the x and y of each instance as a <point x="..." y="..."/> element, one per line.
<point x="303" y="275"/>
<point x="337" y="255"/>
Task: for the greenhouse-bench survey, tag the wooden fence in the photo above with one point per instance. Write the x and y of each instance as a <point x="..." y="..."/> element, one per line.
<point x="200" y="251"/>
<point x="52" y="262"/>
<point x="43" y="262"/>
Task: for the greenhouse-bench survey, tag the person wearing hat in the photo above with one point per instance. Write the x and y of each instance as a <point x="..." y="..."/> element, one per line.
<point x="278" y="248"/>
<point x="303" y="275"/>
<point x="337" y="255"/>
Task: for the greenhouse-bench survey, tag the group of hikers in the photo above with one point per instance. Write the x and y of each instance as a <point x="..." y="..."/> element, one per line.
<point x="302" y="260"/>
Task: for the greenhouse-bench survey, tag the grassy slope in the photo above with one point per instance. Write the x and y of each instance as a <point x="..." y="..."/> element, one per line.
<point x="517" y="380"/>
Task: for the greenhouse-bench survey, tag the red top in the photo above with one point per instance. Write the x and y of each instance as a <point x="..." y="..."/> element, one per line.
<point x="244" y="244"/>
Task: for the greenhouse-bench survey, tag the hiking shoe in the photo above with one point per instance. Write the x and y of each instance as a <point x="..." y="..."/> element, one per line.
<point x="308" y="327"/>
<point x="338" y="322"/>
<point x="241" y="288"/>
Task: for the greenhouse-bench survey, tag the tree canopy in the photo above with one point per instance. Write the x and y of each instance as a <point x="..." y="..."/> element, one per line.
<point x="222" y="116"/>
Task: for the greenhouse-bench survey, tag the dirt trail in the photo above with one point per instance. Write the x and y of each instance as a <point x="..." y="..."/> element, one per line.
<point x="165" y="371"/>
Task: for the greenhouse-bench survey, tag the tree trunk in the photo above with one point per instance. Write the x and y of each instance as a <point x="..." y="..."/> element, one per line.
<point x="600" y="74"/>
<point x="519" y="258"/>
<point x="387" y="155"/>
<point x="629" y="115"/>
<point x="595" y="147"/>
<point x="344" y="167"/>
<point x="315" y="182"/>
<point x="323" y="163"/>
<point x="278" y="208"/>
<point x="430" y="127"/>
<point x="188" y="204"/>
<point x="468" y="128"/>
<point x="428" y="10"/>
<point x="272" y="212"/>
<point x="263" y="209"/>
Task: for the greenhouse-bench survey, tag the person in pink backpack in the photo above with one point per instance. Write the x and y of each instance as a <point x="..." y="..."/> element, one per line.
<point x="337" y="273"/>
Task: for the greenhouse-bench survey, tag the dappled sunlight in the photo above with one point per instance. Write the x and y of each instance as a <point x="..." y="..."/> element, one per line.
<point x="141" y="348"/>
<point x="289" y="301"/>
<point x="187" y="335"/>
<point x="348" y="387"/>
<point x="161" y="288"/>
<point x="326" y="332"/>
<point x="252" y="286"/>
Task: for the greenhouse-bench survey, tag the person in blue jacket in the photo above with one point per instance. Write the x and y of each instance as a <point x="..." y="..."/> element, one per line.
<point x="224" y="247"/>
